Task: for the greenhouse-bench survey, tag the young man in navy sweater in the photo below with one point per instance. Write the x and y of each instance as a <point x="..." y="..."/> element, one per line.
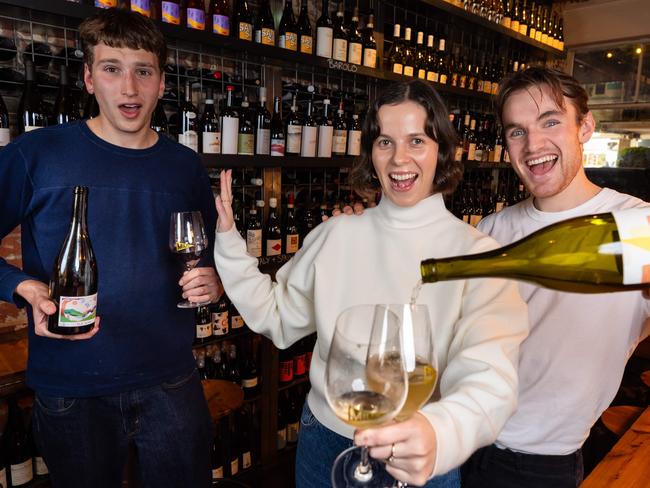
<point x="134" y="380"/>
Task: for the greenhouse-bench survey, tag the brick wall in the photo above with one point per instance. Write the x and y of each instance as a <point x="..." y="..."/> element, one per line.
<point x="11" y="318"/>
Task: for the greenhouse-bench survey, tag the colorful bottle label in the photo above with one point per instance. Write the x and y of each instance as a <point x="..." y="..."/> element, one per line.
<point x="273" y="247"/>
<point x="246" y="461"/>
<point x="408" y="70"/>
<point x="221" y="25"/>
<point x="277" y="147"/>
<point x="291" y="242"/>
<point x="236" y="322"/>
<point x="196" y="18"/>
<point x="289" y="41"/>
<point x="306" y="44"/>
<point x="142" y="7"/>
<point x="286" y="371"/>
<point x="105" y="3"/>
<point x="203" y="330"/>
<point x="398" y="68"/>
<point x="249" y="383"/>
<point x="77" y="311"/>
<point x="634" y="233"/>
<point x="299" y="368"/>
<point x="265" y="36"/>
<point x="217" y="473"/>
<point x="171" y="13"/>
<point x="220" y="320"/>
<point x="245" y="31"/>
<point x="246" y="144"/>
<point x="292" y="432"/>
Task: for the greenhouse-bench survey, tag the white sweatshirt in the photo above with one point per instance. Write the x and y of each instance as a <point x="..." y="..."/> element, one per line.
<point x="572" y="362"/>
<point x="375" y="258"/>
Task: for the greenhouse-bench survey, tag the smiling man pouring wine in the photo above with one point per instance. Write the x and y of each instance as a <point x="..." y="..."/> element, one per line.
<point x="407" y="152"/>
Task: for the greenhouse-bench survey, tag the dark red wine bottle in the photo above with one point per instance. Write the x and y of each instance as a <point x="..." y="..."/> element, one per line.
<point x="73" y="285"/>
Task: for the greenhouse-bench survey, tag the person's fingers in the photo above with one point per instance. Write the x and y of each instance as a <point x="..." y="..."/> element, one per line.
<point x="336" y="211"/>
<point x="87" y="335"/>
<point x="347" y="210"/>
<point x="358" y="208"/>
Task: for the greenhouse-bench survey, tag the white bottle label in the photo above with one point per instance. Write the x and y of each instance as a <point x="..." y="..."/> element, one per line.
<point x="203" y="330"/>
<point x="370" y="58"/>
<point x="325" y="133"/>
<point x="308" y="144"/>
<point x="324" y="42"/>
<point x="340" y="51"/>
<point x="471" y="152"/>
<point x="263" y="142"/>
<point x="77" y="311"/>
<point x="29" y="128"/>
<point x="354" y="143"/>
<point x="4" y="137"/>
<point x="634" y="233"/>
<point x="408" y="70"/>
<point x="273" y="247"/>
<point x="211" y="143"/>
<point x="229" y="135"/>
<point x="354" y="53"/>
<point x="234" y="467"/>
<point x="339" y="141"/>
<point x="496" y="154"/>
<point x="246" y="460"/>
<point x="249" y="383"/>
<point x="220" y="320"/>
<point x="254" y="242"/>
<point x="277" y="147"/>
<point x="40" y="466"/>
<point x="294" y="133"/>
<point x="22" y="473"/>
<point x="217" y="473"/>
<point x="237" y="322"/>
<point x="292" y="241"/>
<point x="190" y="139"/>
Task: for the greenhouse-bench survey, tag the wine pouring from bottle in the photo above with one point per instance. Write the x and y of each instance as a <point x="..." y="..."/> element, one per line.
<point x="592" y="254"/>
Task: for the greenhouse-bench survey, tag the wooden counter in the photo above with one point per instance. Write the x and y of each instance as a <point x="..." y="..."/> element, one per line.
<point x="627" y="465"/>
<point x="13" y="362"/>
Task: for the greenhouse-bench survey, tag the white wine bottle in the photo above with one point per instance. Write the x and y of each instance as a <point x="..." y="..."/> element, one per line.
<point x="590" y="254"/>
<point x="73" y="286"/>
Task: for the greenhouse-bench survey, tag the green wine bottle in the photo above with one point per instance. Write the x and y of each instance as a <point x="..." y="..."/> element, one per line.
<point x="590" y="254"/>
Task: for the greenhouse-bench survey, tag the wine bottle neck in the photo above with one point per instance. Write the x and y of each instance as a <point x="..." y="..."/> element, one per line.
<point x="80" y="206"/>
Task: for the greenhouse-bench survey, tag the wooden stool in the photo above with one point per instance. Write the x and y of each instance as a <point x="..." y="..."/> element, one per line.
<point x="619" y="419"/>
<point x="645" y="377"/>
<point x="223" y="397"/>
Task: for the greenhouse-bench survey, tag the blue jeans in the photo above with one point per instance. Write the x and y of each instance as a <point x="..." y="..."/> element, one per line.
<point x="84" y="441"/>
<point x="318" y="447"/>
<point x="502" y="468"/>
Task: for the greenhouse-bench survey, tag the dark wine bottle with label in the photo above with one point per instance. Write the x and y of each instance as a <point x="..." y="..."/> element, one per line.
<point x="369" y="43"/>
<point x="229" y="125"/>
<point x="324" y="32"/>
<point x="325" y="132"/>
<point x="220" y="17"/>
<point x="309" y="133"/>
<point x="262" y="126"/>
<point x="246" y="137"/>
<point x="73" y="286"/>
<point x="277" y="130"/>
<point x="210" y="129"/>
<point x="340" y="36"/>
<point x="243" y="21"/>
<point x="5" y="136"/>
<point x="254" y="234"/>
<point x="355" y="41"/>
<point x="65" y="107"/>
<point x="31" y="114"/>
<point x="203" y="321"/>
<point x="305" y="35"/>
<point x="294" y="130"/>
<point x="291" y="232"/>
<point x="265" y="26"/>
<point x="19" y="452"/>
<point x="188" y="130"/>
<point x="159" y="121"/>
<point x="288" y="29"/>
<point x="195" y="14"/>
<point x="273" y="232"/>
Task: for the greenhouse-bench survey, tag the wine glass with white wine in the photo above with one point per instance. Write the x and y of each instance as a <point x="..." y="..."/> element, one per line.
<point x="420" y="360"/>
<point x="366" y="385"/>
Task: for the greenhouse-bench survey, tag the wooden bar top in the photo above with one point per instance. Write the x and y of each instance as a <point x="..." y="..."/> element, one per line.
<point x="13" y="362"/>
<point x="627" y="465"/>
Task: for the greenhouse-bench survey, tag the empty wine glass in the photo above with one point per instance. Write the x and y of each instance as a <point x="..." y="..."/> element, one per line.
<point x="189" y="241"/>
<point x="365" y="385"/>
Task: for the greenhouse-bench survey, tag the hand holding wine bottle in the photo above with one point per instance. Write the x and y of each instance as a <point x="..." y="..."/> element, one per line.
<point x="36" y="293"/>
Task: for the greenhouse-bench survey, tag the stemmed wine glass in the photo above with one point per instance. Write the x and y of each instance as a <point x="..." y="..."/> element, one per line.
<point x="420" y="359"/>
<point x="366" y="385"/>
<point x="189" y="241"/>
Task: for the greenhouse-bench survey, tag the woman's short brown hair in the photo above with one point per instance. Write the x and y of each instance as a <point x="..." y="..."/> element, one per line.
<point x="560" y="85"/>
<point x="121" y="28"/>
<point x="437" y="127"/>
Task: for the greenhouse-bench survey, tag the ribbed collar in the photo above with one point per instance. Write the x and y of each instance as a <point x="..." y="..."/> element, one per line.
<point x="583" y="209"/>
<point x="421" y="214"/>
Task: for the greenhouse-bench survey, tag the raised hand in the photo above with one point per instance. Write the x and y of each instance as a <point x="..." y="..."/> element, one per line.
<point x="224" y="202"/>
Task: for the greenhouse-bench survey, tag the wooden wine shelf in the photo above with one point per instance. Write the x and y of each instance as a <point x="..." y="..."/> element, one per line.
<point x="230" y="161"/>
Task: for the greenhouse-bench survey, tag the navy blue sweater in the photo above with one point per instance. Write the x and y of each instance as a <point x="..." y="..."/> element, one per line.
<point x="144" y="338"/>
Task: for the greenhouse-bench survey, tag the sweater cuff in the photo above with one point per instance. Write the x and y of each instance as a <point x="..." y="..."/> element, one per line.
<point x="228" y="238"/>
<point x="8" y="284"/>
<point x="447" y="445"/>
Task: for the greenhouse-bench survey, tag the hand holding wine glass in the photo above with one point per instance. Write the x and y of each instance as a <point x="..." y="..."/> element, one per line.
<point x="189" y="241"/>
<point x="365" y="385"/>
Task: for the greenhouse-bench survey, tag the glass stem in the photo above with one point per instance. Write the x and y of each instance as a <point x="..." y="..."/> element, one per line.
<point x="363" y="471"/>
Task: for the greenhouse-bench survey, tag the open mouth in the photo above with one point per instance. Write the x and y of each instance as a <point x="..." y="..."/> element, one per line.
<point x="402" y="181"/>
<point x="130" y="110"/>
<point x="541" y="165"/>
